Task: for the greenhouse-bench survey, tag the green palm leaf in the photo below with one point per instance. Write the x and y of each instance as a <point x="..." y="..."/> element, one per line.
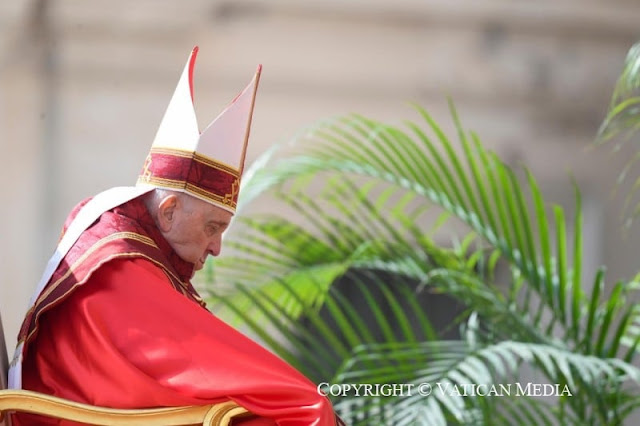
<point x="623" y="121"/>
<point x="398" y="213"/>
<point x="451" y="366"/>
<point x="362" y="159"/>
<point x="624" y="112"/>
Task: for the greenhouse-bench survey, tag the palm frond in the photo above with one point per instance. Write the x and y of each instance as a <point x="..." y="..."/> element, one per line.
<point x="453" y="371"/>
<point x="398" y="213"/>
<point x="624" y="109"/>
<point x="431" y="172"/>
<point x="361" y="188"/>
<point x="622" y="122"/>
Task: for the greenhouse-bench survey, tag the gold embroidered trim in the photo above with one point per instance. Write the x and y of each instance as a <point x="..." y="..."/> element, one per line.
<point x="201" y="158"/>
<point x="120" y="235"/>
<point x="146" y="172"/>
<point x="177" y="184"/>
<point x="172" y="151"/>
<point x="207" y="161"/>
<point x="170" y="183"/>
<point x="184" y="289"/>
<point x="224" y="200"/>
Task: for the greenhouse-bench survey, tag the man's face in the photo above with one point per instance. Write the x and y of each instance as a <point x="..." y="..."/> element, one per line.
<point x="196" y="229"/>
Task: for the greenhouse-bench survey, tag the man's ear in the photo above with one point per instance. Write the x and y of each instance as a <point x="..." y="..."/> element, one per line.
<point x="166" y="212"/>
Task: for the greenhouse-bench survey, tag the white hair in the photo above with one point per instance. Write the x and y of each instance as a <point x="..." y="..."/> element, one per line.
<point x="153" y="199"/>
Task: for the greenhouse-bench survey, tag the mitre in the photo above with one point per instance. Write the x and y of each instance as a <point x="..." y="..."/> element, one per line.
<point x="208" y="164"/>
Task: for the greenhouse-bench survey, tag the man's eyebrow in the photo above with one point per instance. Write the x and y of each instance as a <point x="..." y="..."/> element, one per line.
<point x="219" y="222"/>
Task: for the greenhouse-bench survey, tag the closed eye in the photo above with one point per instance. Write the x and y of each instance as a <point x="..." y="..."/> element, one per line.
<point x="215" y="227"/>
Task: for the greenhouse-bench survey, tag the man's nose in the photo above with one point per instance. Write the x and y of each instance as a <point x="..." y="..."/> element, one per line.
<point x="215" y="246"/>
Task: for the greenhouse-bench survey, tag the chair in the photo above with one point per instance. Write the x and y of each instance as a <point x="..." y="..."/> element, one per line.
<point x="12" y="400"/>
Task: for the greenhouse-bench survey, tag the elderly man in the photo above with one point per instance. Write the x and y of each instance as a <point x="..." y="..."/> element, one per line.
<point x="116" y="321"/>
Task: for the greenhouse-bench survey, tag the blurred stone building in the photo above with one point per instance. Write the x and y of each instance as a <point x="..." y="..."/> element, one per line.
<point x="84" y="84"/>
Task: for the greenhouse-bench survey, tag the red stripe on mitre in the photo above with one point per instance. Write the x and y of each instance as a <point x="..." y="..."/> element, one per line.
<point x="202" y="176"/>
<point x="192" y="63"/>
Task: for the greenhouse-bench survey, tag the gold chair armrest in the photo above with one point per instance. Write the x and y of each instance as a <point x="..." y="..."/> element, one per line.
<point x="36" y="403"/>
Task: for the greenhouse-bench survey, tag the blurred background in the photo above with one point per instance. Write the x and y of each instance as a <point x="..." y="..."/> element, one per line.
<point x="84" y="85"/>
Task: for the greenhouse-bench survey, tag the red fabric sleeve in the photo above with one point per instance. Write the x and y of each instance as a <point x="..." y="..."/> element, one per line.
<point x="126" y="339"/>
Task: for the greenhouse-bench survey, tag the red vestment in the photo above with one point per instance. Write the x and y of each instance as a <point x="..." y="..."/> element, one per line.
<point x="118" y="334"/>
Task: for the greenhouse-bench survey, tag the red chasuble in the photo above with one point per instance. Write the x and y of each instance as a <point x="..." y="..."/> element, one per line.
<point x="120" y="326"/>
